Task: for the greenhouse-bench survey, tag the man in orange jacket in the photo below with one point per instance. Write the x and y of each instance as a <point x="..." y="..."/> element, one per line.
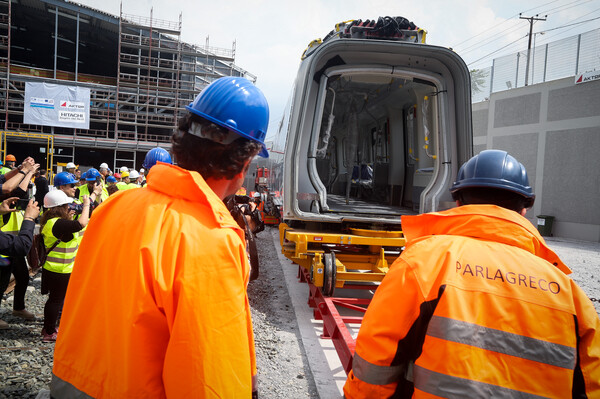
<point x="168" y="314"/>
<point x="482" y="308"/>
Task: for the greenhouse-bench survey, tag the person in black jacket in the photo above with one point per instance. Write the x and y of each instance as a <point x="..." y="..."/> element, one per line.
<point x="41" y="187"/>
<point x="16" y="245"/>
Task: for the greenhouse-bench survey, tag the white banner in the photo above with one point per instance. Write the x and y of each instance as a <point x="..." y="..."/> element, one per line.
<point x="587" y="77"/>
<point x="50" y="104"/>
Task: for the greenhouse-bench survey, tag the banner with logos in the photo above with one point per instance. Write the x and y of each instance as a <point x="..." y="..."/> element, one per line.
<point x="587" y="77"/>
<point x="50" y="104"/>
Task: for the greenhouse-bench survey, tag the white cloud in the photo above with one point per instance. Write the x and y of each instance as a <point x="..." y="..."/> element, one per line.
<point x="270" y="35"/>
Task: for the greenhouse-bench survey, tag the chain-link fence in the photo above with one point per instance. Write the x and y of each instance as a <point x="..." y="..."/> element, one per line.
<point x="551" y="61"/>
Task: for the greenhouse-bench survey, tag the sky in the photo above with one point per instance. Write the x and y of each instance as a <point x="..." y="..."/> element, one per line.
<point x="270" y="35"/>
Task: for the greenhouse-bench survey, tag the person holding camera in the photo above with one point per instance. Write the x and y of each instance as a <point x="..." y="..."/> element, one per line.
<point x="93" y="180"/>
<point x="11" y="223"/>
<point x="18" y="177"/>
<point x="61" y="238"/>
<point x="17" y="244"/>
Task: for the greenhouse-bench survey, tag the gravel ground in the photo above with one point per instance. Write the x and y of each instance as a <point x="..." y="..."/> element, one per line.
<point x="26" y="362"/>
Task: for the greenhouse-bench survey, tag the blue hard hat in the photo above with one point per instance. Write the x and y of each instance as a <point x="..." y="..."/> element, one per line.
<point x="63" y="178"/>
<point x="111" y="179"/>
<point x="155" y="155"/>
<point x="92" y="174"/>
<point x="494" y="169"/>
<point x="237" y="105"/>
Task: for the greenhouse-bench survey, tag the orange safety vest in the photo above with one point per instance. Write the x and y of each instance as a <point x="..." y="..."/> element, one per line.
<point x="476" y="306"/>
<point x="167" y="315"/>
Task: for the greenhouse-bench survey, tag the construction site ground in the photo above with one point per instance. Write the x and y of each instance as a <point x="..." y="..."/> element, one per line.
<point x="293" y="360"/>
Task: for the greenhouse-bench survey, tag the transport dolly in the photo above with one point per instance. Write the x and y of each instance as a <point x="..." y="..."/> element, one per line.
<point x="327" y="261"/>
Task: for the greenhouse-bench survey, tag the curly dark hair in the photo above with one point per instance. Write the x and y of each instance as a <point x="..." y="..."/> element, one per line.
<point x="209" y="158"/>
<point x="61" y="211"/>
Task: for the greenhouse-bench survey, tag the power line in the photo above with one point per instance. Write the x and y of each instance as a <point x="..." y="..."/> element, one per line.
<point x="499" y="24"/>
<point x="551" y="11"/>
<point x="494" y="52"/>
<point x="497" y="36"/>
<point x="566" y="26"/>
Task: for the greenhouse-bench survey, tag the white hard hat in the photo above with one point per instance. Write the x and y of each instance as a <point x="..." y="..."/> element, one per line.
<point x="124" y="169"/>
<point x="103" y="165"/>
<point x="56" y="198"/>
<point x="257" y="195"/>
<point x="142" y="170"/>
<point x="71" y="165"/>
<point x="134" y="174"/>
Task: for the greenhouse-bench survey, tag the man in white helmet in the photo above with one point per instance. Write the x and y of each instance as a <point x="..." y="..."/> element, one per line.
<point x="71" y="167"/>
<point x="133" y="179"/>
<point x="104" y="170"/>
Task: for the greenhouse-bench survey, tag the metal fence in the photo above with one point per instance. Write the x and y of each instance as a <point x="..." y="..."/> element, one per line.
<point x="551" y="61"/>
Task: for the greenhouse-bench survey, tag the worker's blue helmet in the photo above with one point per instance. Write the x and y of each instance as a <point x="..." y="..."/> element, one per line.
<point x="63" y="178"/>
<point x="237" y="105"/>
<point x="92" y="174"/>
<point x="495" y="169"/>
<point x="111" y="179"/>
<point x="155" y="155"/>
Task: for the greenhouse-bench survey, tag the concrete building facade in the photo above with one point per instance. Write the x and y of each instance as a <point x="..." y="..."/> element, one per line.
<point x="553" y="128"/>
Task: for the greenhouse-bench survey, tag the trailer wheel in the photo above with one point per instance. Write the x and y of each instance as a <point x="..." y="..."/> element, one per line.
<point x="329" y="274"/>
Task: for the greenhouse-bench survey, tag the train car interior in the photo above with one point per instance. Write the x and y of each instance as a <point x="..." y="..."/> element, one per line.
<point x="373" y="145"/>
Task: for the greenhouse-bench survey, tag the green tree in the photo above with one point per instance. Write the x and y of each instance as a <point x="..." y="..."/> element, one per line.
<point x="478" y="78"/>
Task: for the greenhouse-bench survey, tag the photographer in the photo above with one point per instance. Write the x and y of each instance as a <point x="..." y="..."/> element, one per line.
<point x="61" y="236"/>
<point x="17" y="244"/>
<point x="18" y="179"/>
<point x="93" y="187"/>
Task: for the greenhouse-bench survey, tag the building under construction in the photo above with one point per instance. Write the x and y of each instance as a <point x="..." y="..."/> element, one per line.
<point x="137" y="70"/>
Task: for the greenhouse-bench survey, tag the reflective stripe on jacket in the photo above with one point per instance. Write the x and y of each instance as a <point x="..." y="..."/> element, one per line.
<point x="167" y="315"/>
<point x="481" y="308"/>
<point x="62" y="257"/>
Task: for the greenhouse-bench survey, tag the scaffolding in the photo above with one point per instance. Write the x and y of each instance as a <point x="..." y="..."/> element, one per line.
<point x="5" y="24"/>
<point x="158" y="75"/>
<point x="134" y="108"/>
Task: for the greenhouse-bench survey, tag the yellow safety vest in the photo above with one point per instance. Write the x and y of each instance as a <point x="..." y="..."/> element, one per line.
<point x="83" y="190"/>
<point x="13" y="226"/>
<point x="62" y="257"/>
<point x="122" y="185"/>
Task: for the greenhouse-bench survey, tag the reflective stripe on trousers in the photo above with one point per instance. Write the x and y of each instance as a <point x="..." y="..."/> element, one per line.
<point x="63" y="389"/>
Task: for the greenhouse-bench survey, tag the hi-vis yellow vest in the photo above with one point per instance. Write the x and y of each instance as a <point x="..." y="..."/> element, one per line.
<point x="83" y="190"/>
<point x="62" y="257"/>
<point x="13" y="226"/>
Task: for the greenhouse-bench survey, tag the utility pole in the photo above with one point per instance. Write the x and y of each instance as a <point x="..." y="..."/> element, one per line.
<point x="531" y="20"/>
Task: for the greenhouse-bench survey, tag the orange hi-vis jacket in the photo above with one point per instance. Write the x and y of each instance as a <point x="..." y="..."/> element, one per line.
<point x="166" y="313"/>
<point x="477" y="306"/>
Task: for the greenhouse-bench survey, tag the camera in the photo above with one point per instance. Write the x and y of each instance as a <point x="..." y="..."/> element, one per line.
<point x="78" y="208"/>
<point x="20" y="204"/>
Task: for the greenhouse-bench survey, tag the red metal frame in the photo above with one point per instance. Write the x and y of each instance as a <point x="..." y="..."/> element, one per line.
<point x="334" y="325"/>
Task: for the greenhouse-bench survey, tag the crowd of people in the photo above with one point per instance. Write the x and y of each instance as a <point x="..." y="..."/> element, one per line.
<point x="475" y="306"/>
<point x="63" y="214"/>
